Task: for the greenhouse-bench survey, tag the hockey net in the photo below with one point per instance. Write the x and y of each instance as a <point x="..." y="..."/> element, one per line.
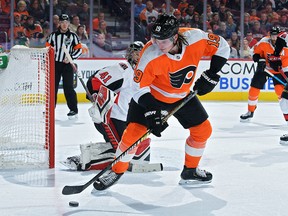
<point x="27" y="109"/>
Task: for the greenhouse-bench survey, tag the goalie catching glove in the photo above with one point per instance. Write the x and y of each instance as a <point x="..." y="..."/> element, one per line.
<point x="103" y="102"/>
<point x="206" y="83"/>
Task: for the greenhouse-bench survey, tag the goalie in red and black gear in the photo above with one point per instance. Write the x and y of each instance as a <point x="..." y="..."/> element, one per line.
<point x="109" y="117"/>
<point x="164" y="76"/>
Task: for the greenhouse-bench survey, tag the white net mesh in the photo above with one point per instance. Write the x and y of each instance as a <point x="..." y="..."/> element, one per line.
<point x="25" y="112"/>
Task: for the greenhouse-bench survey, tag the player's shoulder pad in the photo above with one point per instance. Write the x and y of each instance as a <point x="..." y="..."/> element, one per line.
<point x="193" y="35"/>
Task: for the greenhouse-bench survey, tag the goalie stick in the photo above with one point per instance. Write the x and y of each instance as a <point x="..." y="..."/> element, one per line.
<point x="133" y="167"/>
<point x="68" y="190"/>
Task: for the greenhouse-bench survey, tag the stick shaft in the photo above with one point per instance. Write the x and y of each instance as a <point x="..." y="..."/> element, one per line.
<point x="275" y="77"/>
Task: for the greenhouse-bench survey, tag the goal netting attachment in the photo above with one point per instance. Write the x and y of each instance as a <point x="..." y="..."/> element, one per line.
<point x="27" y="109"/>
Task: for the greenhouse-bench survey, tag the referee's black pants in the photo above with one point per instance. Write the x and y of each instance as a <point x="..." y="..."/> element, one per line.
<point x="66" y="71"/>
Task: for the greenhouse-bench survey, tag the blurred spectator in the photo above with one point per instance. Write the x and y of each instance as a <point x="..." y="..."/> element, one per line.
<point x="22" y="8"/>
<point x="55" y="22"/>
<point x="222" y="13"/>
<point x="216" y="6"/>
<point x="180" y="19"/>
<point x="32" y="29"/>
<point x="82" y="34"/>
<point x="37" y="12"/>
<point x="163" y="8"/>
<point x="282" y="21"/>
<point x="231" y="25"/>
<point x="245" y="52"/>
<point x="251" y="41"/>
<point x="46" y="29"/>
<point x="22" y="41"/>
<point x="75" y="22"/>
<point x="57" y="8"/>
<point x="253" y="15"/>
<point x="6" y="6"/>
<point x="269" y="11"/>
<point x="103" y="29"/>
<point x="147" y="18"/>
<point x="138" y="7"/>
<point x="215" y="22"/>
<point x="247" y="24"/>
<point x="209" y="13"/>
<point x="18" y="28"/>
<point x="233" y="51"/>
<point x="235" y="41"/>
<point x="196" y="22"/>
<point x="264" y="24"/>
<point x="281" y="6"/>
<point x="223" y="31"/>
<point x="189" y="12"/>
<point x="100" y="17"/>
<point x="99" y="40"/>
<point x="84" y="15"/>
<point x="4" y="26"/>
<point x="182" y="6"/>
<point x="257" y="32"/>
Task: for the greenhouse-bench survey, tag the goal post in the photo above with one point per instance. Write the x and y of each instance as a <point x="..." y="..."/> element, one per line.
<point x="27" y="105"/>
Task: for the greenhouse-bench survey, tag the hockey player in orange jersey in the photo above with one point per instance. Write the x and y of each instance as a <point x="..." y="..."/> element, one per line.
<point x="163" y="78"/>
<point x="265" y="58"/>
<point x="281" y="49"/>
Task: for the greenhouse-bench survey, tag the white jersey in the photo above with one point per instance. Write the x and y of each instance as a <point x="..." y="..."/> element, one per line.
<point x="118" y="78"/>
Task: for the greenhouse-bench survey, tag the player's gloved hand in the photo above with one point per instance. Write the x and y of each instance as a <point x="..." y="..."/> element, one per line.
<point x="261" y="66"/>
<point x="154" y="121"/>
<point x="206" y="83"/>
<point x="274" y="62"/>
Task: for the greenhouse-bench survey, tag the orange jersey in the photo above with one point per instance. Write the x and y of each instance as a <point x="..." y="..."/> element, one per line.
<point x="169" y="77"/>
<point x="265" y="48"/>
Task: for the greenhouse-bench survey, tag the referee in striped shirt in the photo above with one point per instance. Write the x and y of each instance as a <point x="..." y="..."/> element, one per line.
<point x="63" y="36"/>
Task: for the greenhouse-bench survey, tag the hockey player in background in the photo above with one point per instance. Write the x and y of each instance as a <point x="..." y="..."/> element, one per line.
<point x="164" y="76"/>
<point x="110" y="119"/>
<point x="3" y="59"/>
<point x="266" y="60"/>
<point x="281" y="49"/>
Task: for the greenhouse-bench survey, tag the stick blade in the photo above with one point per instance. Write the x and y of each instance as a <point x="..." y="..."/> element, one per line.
<point x="68" y="190"/>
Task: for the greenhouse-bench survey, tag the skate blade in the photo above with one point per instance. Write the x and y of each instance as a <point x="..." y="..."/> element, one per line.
<point x="245" y="120"/>
<point x="193" y="183"/>
<point x="283" y="142"/>
<point x="73" y="117"/>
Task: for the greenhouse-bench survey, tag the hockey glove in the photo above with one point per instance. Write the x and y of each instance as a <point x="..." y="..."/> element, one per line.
<point x="261" y="66"/>
<point x="274" y="62"/>
<point x="206" y="83"/>
<point x="154" y="121"/>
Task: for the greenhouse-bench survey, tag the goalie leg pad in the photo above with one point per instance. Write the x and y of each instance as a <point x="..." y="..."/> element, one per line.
<point x="96" y="156"/>
<point x="142" y="154"/>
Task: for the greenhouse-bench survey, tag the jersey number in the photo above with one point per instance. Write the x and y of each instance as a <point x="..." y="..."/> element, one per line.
<point x="105" y="77"/>
<point x="213" y="40"/>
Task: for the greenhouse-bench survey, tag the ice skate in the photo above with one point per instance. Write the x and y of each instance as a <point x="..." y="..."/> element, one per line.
<point x="246" y="117"/>
<point x="195" y="176"/>
<point x="73" y="163"/>
<point x="106" y="180"/>
<point x="72" y="115"/>
<point x="284" y="139"/>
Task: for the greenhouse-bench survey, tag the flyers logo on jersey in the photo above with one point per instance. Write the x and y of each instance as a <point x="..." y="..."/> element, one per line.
<point x="183" y="76"/>
<point x="138" y="76"/>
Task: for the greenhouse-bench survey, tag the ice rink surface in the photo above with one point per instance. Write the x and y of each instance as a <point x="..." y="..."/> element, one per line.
<point x="249" y="166"/>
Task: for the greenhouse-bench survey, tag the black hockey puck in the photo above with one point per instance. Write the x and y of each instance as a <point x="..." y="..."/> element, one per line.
<point x="73" y="204"/>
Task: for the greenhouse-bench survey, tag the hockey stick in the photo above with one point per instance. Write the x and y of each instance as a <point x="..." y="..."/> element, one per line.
<point x="283" y="74"/>
<point x="133" y="167"/>
<point x="273" y="76"/>
<point x="68" y="190"/>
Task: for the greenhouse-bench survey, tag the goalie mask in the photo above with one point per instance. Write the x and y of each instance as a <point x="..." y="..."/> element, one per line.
<point x="133" y="53"/>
